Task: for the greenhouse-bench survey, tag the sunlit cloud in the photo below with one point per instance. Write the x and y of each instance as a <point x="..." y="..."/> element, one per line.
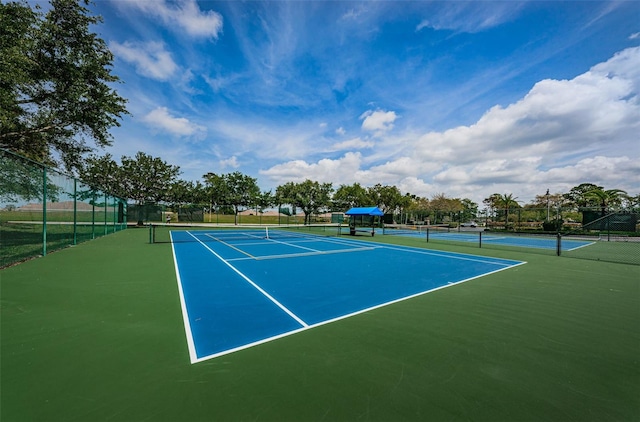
<point x="150" y="59"/>
<point x="184" y="15"/>
<point x="355" y="143"/>
<point x="378" y="121"/>
<point x="161" y="119"/>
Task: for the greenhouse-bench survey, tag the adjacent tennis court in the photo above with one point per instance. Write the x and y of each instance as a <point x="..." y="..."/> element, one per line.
<point x="242" y="288"/>
<point x="547" y="242"/>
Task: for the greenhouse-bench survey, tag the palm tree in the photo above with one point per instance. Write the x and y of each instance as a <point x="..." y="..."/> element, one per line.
<point x="506" y="201"/>
<point x="605" y="198"/>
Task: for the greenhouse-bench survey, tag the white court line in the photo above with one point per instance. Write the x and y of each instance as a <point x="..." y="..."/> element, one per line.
<point x="226" y="244"/>
<point x="578" y="247"/>
<point x="300" y="254"/>
<point x="248" y="280"/>
<point x="291" y="244"/>
<point x="457" y="256"/>
<point x="185" y="316"/>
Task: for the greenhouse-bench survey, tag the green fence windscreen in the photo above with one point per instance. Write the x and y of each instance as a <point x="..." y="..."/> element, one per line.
<point x="42" y="210"/>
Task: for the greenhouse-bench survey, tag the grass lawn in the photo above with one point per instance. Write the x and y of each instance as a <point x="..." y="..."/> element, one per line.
<point x="94" y="332"/>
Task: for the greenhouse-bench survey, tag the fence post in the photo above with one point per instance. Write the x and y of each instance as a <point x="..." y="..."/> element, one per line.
<point x="75" y="211"/>
<point x="427" y="234"/>
<point x="105" y="214"/>
<point x="93" y="214"/>
<point x="44" y="210"/>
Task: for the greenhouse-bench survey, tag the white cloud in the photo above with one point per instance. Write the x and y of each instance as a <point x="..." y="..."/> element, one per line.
<point x="231" y="162"/>
<point x="378" y="121"/>
<point x="341" y="131"/>
<point x="606" y="170"/>
<point x="150" y="58"/>
<point x="184" y="15"/>
<point x="160" y="118"/>
<point x="416" y="186"/>
<point x="337" y="171"/>
<point x="634" y="36"/>
<point x="355" y="143"/>
<point x="555" y="119"/>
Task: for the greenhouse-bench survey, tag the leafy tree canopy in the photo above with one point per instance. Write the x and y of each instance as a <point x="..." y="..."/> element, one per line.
<point x="235" y="189"/>
<point x="576" y="194"/>
<point x="55" y="77"/>
<point x="310" y="196"/>
<point x="387" y="198"/>
<point x="349" y="196"/>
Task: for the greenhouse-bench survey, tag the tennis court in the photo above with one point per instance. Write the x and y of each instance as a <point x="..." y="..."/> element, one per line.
<point x="240" y="288"/>
<point x="488" y="238"/>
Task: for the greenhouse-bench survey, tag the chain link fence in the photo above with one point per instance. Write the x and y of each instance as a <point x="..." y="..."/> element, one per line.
<point x="219" y="214"/>
<point x="43" y="210"/>
<point x="585" y="233"/>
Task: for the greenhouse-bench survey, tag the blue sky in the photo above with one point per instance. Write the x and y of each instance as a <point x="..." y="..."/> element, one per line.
<point x="461" y="98"/>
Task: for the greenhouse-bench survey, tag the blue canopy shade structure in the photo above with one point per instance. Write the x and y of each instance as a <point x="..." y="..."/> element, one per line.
<point x="373" y="211"/>
<point x="363" y="217"/>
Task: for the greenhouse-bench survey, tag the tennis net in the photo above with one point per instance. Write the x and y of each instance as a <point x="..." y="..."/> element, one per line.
<point x="174" y="233"/>
<point x="404" y="230"/>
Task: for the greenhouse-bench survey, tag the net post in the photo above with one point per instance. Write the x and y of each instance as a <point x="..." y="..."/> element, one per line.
<point x="151" y="233"/>
<point x="480" y="240"/>
<point x="559" y="244"/>
<point x="427" y="234"/>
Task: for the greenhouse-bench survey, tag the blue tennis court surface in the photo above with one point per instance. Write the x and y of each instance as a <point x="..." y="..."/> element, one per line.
<point x="242" y="289"/>
<point x="488" y="238"/>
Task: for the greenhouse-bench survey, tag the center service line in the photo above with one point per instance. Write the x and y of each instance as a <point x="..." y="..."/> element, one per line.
<point x="267" y="295"/>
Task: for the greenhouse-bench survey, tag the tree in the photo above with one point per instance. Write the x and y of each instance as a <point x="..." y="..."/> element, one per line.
<point x="576" y="194"/>
<point x="419" y="208"/>
<point x="20" y="179"/>
<point x="387" y="198"/>
<point x="216" y="190"/>
<point x="103" y="173"/>
<point x="506" y="202"/>
<point x="181" y="193"/>
<point x="55" y="77"/>
<point x="185" y="198"/>
<point x="232" y="189"/>
<point x="442" y="205"/>
<point x="147" y="179"/>
<point x="349" y="196"/>
<point x="492" y="203"/>
<point x="632" y="203"/>
<point x="242" y="191"/>
<point x="310" y="196"/>
<point x="469" y="210"/>
<point x="264" y="200"/>
<point x="605" y="198"/>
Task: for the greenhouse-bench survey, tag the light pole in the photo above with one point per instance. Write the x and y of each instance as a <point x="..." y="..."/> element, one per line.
<point x="547" y="205"/>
